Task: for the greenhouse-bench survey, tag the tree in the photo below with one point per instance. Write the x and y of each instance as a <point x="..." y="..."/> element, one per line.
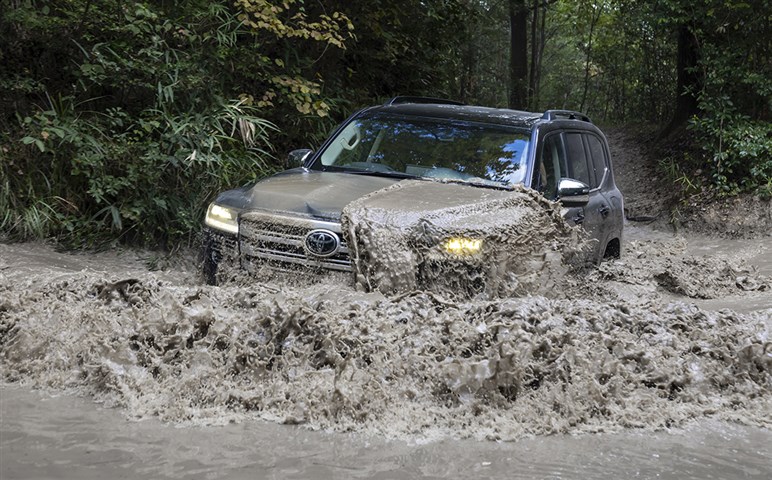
<point x="595" y="12"/>
<point x="518" y="50"/>
<point x="689" y="83"/>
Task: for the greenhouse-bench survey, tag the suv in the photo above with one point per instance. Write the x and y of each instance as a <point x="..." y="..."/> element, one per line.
<point x="294" y="217"/>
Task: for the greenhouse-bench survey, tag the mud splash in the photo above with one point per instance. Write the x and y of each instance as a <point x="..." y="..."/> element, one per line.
<point x="396" y="236"/>
<point x="666" y="265"/>
<point x="415" y="365"/>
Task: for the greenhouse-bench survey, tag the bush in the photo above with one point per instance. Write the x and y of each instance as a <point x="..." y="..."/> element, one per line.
<point x="97" y="177"/>
<point x="120" y="121"/>
<point x="738" y="151"/>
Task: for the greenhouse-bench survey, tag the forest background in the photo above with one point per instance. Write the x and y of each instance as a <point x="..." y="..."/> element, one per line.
<point x="121" y="119"/>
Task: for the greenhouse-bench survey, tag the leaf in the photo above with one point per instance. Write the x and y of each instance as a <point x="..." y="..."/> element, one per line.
<point x="57" y="131"/>
<point x="38" y="143"/>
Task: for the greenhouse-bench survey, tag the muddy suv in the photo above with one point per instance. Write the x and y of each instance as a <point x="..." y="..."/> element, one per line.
<point x="452" y="154"/>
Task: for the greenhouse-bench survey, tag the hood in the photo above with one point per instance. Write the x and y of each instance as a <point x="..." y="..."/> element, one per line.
<point x="324" y="195"/>
<point x="451" y="205"/>
<point x="319" y="194"/>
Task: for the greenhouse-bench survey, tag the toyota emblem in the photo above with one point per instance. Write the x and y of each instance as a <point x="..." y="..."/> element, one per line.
<point x="322" y="243"/>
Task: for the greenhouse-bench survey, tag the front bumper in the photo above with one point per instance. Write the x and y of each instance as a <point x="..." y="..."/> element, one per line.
<point x="276" y="241"/>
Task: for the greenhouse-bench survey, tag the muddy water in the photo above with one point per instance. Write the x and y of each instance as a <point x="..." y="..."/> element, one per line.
<point x="67" y="437"/>
<point x="641" y="349"/>
<point x="744" y="260"/>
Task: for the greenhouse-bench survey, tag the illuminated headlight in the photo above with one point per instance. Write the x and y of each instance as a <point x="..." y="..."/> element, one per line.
<point x="462" y="246"/>
<point x="222" y="218"/>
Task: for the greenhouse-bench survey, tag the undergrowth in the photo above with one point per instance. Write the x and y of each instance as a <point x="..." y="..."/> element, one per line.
<point x="91" y="177"/>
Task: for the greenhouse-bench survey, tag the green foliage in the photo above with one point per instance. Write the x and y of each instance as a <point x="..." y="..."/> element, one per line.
<point x="739" y="151"/>
<point x="289" y="19"/>
<point x="147" y="179"/>
<point x="675" y="171"/>
<point x="121" y="120"/>
<point x="735" y="96"/>
<point x="631" y="67"/>
<point x="400" y="47"/>
<point x="138" y="113"/>
<point x="621" y="50"/>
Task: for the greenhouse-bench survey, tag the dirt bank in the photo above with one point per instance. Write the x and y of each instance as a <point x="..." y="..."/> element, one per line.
<point x="654" y="199"/>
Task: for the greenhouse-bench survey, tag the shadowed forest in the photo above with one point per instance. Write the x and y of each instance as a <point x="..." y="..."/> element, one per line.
<point x="120" y="120"/>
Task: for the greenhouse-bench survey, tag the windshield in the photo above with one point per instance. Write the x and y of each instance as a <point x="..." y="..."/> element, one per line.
<point x="430" y="148"/>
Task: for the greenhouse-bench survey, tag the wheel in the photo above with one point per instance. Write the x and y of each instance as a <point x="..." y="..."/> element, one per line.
<point x="210" y="264"/>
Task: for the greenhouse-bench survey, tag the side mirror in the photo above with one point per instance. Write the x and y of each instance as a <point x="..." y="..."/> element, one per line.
<point x="297" y="158"/>
<point x="573" y="192"/>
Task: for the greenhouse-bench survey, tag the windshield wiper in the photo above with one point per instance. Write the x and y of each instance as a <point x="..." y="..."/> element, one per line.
<point x="375" y="173"/>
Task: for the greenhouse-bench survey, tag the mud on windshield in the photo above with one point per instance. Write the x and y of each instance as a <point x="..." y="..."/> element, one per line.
<point x="429" y="148"/>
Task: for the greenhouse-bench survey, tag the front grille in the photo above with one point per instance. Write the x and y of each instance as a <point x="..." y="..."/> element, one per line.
<point x="280" y="240"/>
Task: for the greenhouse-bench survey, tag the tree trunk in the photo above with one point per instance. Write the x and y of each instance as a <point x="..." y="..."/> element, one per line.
<point x="534" y="55"/>
<point x="518" y="54"/>
<point x="689" y="82"/>
<point x="469" y="66"/>
<point x="542" y="43"/>
<point x="594" y="21"/>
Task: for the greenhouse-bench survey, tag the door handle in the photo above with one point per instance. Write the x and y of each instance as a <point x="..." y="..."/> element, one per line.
<point x="578" y="219"/>
<point x="604" y="210"/>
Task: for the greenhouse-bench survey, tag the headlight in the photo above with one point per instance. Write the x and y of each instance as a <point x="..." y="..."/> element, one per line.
<point x="462" y="246"/>
<point x="222" y="218"/>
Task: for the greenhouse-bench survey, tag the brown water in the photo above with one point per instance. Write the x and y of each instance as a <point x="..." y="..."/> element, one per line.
<point x="66" y="437"/>
<point x="639" y="358"/>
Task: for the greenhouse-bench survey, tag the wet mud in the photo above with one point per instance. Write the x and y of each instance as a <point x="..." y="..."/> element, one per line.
<point x="666" y="266"/>
<point x="397" y="235"/>
<point x="618" y="347"/>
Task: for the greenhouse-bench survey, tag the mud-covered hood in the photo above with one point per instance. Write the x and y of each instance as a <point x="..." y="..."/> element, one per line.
<point x="325" y="194"/>
<point x="319" y="194"/>
<point x="443" y="203"/>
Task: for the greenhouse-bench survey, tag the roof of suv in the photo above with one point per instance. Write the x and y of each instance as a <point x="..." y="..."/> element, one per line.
<point x="430" y="107"/>
<point x="500" y="116"/>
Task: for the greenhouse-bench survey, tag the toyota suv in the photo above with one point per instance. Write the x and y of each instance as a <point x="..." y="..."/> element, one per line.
<point x="293" y="219"/>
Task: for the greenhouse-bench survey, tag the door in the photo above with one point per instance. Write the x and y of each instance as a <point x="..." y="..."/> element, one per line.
<point x="551" y="166"/>
<point x="581" y="148"/>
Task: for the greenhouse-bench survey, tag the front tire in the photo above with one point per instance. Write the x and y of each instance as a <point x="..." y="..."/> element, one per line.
<point x="216" y="249"/>
<point x="210" y="265"/>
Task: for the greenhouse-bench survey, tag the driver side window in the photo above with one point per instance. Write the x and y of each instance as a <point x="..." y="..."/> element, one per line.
<point x="551" y="163"/>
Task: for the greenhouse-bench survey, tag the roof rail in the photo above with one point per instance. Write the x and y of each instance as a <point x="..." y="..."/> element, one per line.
<point x="405" y="99"/>
<point x="569" y="114"/>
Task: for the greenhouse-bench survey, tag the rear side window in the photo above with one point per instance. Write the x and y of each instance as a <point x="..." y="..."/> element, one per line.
<point x="577" y="160"/>
<point x="597" y="159"/>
